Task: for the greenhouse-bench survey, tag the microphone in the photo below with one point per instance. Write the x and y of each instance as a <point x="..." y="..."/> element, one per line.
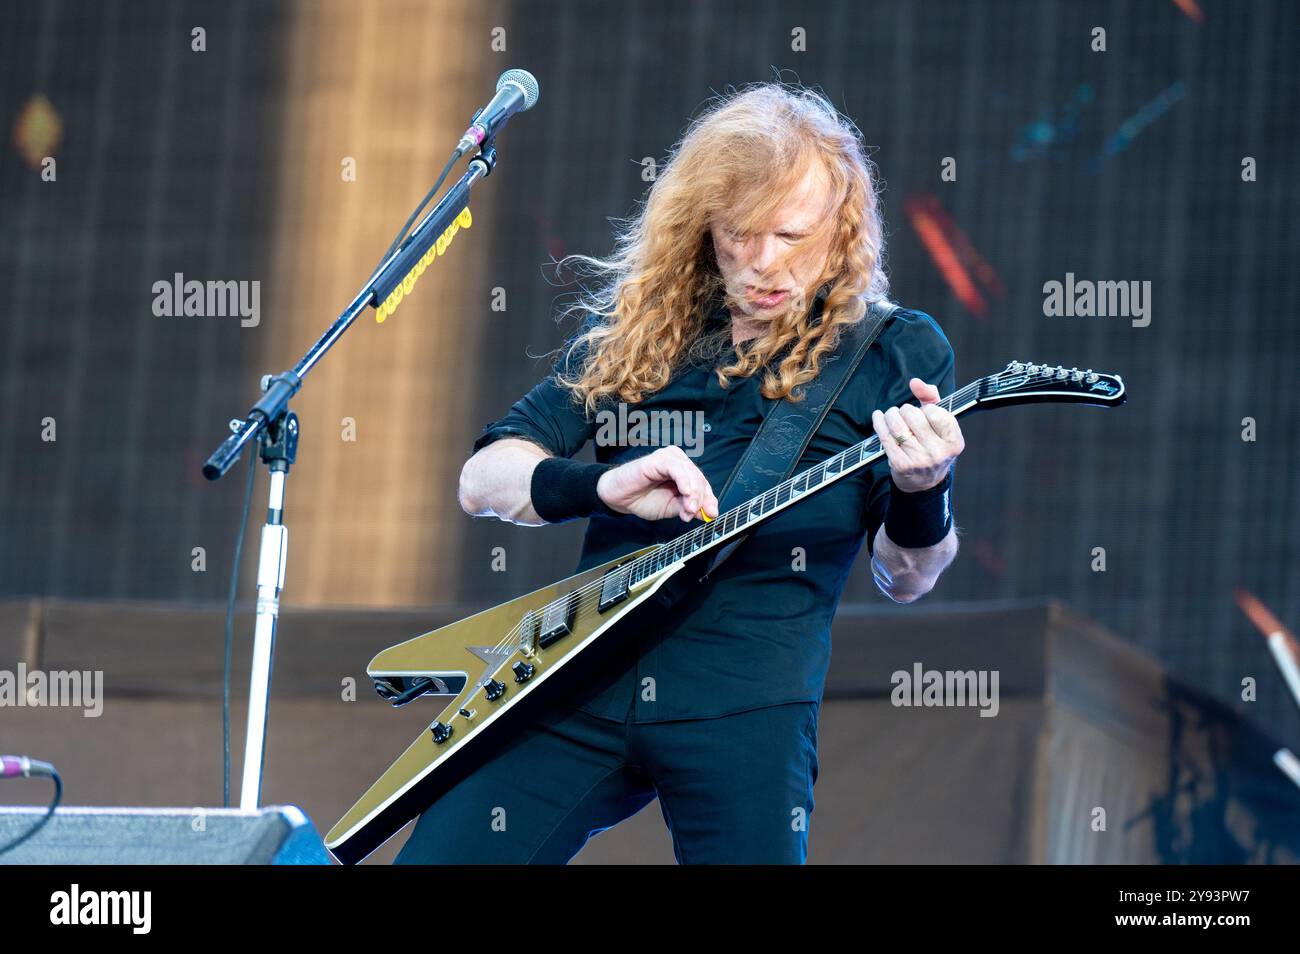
<point x="516" y="91"/>
<point x="12" y="766"/>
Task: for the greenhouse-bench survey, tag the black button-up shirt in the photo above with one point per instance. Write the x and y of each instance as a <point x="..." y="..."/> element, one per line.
<point x="757" y="632"/>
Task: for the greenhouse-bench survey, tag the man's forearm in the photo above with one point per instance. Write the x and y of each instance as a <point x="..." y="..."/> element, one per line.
<point x="905" y="574"/>
<point x="497" y="481"/>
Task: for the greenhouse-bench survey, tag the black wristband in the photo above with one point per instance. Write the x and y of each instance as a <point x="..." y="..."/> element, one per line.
<point x="564" y="489"/>
<point x="921" y="519"/>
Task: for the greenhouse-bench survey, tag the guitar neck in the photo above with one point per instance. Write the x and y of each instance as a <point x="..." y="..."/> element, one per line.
<point x="1018" y="383"/>
<point x="757" y="509"/>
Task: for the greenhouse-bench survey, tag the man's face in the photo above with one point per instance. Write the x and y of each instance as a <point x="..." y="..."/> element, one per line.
<point x="774" y="271"/>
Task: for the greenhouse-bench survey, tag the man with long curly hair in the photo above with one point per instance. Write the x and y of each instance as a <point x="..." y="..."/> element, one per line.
<point x="759" y="243"/>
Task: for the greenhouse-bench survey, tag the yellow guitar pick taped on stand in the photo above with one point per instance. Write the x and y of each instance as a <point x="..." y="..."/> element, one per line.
<point x="395" y="297"/>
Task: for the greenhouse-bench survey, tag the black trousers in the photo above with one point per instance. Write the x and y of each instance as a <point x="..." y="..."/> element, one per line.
<point x="733" y="790"/>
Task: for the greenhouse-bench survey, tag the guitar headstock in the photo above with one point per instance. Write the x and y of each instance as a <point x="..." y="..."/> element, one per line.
<point x="1024" y="383"/>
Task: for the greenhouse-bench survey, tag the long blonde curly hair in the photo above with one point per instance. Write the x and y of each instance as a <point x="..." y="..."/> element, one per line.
<point x="736" y="164"/>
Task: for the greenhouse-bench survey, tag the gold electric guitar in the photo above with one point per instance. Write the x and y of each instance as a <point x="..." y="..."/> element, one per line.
<point x="482" y="667"/>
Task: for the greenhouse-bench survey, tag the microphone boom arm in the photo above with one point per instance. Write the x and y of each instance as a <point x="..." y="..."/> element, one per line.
<point x="276" y="430"/>
<point x="278" y="389"/>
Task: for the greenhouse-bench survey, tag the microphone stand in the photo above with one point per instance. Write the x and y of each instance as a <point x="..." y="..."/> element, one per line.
<point x="276" y="430"/>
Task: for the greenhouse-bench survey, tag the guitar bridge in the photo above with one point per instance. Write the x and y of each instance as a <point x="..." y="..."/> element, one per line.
<point x="528" y="633"/>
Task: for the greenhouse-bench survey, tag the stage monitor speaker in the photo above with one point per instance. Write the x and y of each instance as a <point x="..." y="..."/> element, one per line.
<point x="278" y="835"/>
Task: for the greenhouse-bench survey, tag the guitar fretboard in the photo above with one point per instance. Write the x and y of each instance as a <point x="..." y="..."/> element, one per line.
<point x="758" y="508"/>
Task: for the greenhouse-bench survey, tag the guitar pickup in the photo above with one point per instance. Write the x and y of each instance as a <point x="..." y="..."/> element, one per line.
<point x="613" y="589"/>
<point x="557" y="620"/>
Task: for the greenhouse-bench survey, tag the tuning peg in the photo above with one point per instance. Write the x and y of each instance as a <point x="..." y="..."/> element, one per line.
<point x="1091" y="377"/>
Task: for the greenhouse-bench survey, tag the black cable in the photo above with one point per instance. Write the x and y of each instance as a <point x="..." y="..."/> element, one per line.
<point x="402" y="235"/>
<point x="49" y="813"/>
<point x="230" y="630"/>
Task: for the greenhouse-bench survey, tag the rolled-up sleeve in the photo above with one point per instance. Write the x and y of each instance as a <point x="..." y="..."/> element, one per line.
<point x="916" y="347"/>
<point x="548" y="415"/>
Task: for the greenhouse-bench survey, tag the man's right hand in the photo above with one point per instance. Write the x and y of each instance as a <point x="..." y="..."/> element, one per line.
<point x="665" y="483"/>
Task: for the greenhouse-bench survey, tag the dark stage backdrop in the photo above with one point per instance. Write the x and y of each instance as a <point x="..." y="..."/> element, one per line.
<point x="1122" y="164"/>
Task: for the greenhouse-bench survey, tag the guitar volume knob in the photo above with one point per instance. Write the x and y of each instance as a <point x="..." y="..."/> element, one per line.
<point x="441" y="732"/>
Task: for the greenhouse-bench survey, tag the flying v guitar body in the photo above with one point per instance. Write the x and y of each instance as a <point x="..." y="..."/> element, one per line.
<point x="483" y="666"/>
<point x="488" y="663"/>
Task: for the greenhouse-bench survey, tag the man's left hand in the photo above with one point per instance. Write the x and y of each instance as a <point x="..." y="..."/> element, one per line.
<point x="920" y="442"/>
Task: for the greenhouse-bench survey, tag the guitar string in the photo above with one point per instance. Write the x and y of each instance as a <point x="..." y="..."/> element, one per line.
<point x="579" y="599"/>
<point x="814" y="478"/>
<point x="840" y="461"/>
<point x="863" y="450"/>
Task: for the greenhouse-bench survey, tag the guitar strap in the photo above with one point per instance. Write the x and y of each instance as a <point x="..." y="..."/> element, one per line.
<point x="787" y="428"/>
